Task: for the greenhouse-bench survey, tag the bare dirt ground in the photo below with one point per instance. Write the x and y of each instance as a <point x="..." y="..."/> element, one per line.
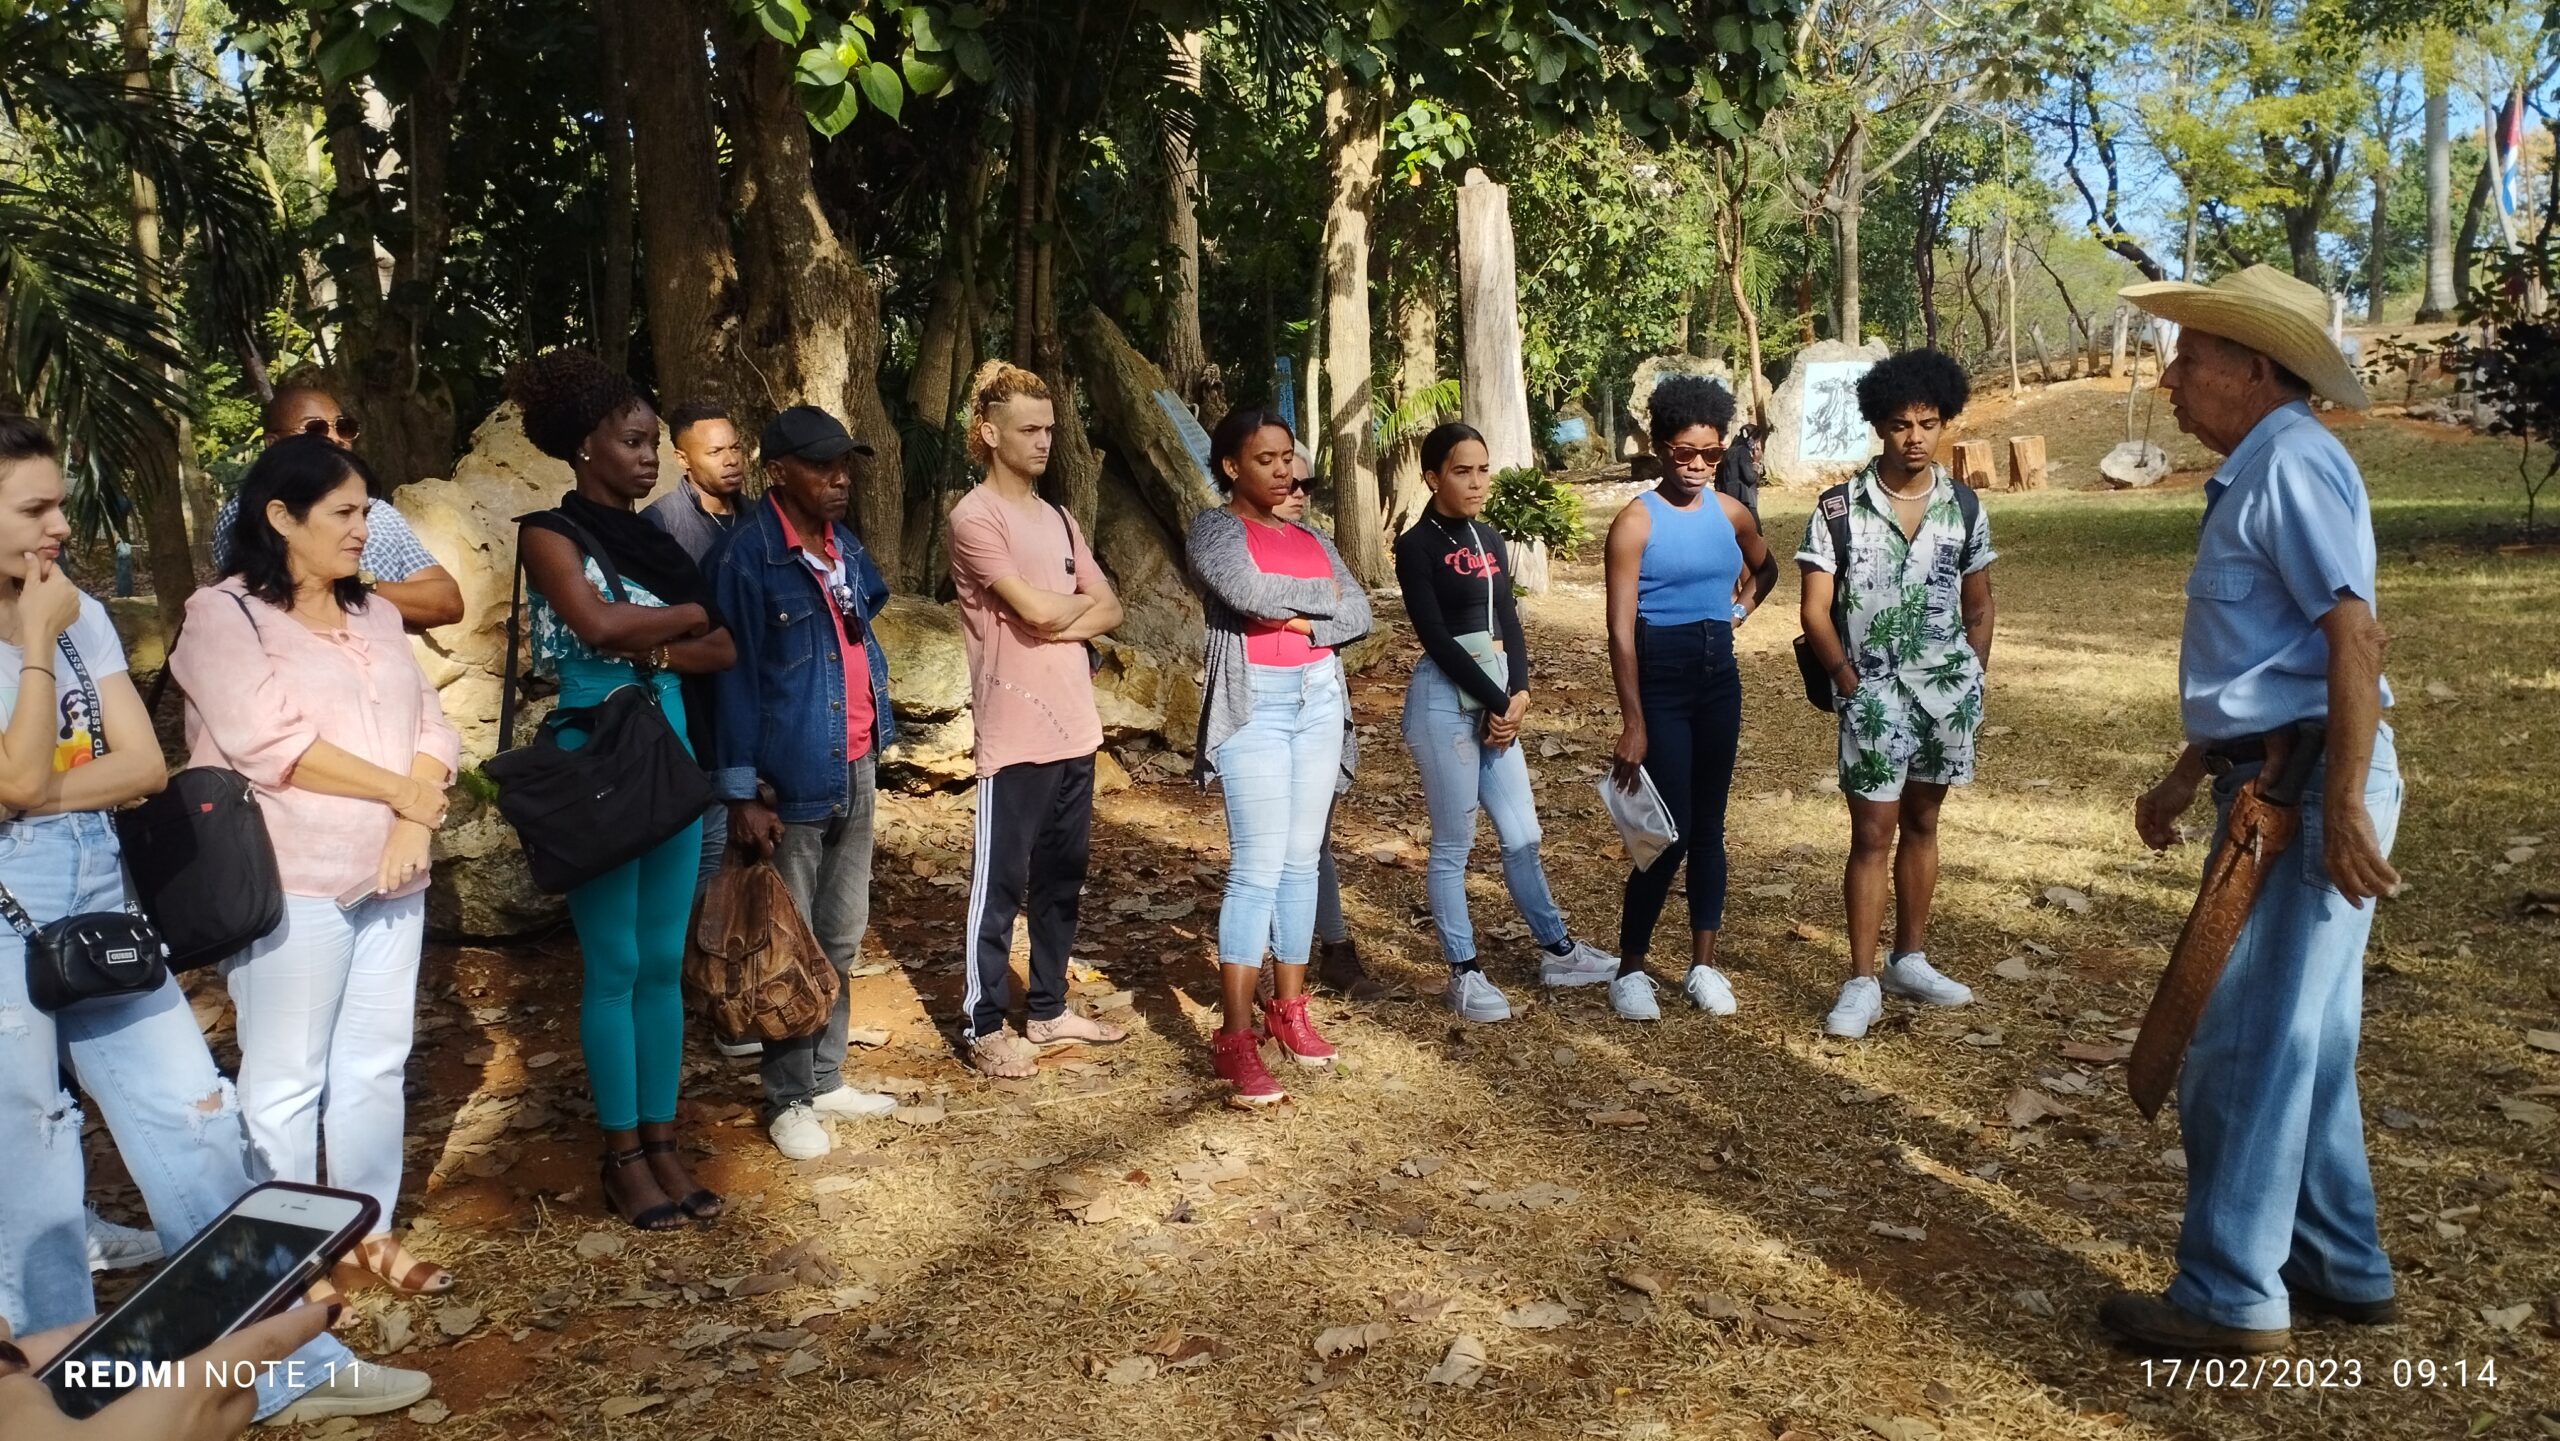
<point x="1569" y="1225"/>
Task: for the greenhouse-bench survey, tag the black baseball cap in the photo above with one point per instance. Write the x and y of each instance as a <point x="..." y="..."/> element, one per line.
<point x="809" y="433"/>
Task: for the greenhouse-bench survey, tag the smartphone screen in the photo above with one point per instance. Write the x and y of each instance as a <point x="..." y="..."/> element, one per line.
<point x="261" y="1252"/>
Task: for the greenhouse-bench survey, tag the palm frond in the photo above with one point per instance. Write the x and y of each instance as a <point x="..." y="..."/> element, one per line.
<point x="1414" y="416"/>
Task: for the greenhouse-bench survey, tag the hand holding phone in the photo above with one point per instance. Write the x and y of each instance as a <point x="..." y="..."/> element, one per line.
<point x="214" y="1402"/>
<point x="250" y="1264"/>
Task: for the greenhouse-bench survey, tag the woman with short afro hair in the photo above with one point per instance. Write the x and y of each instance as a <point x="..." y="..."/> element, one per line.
<point x="1906" y="646"/>
<point x="630" y="920"/>
<point x="1685" y="566"/>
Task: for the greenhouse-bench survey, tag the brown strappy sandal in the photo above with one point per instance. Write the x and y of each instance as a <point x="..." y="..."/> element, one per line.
<point x="421" y="1278"/>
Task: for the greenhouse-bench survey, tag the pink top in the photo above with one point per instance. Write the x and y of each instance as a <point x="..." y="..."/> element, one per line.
<point x="262" y="692"/>
<point x="1031" y="697"/>
<point x="1283" y="550"/>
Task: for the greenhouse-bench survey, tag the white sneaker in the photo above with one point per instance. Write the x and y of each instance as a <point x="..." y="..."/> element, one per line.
<point x="799" y="1134"/>
<point x="850" y="1104"/>
<point x="1584" y="965"/>
<point x="1472" y="997"/>
<point x="1861" y="1001"/>
<point x="738" y="1050"/>
<point x="119" y="1248"/>
<point x="1631" y="996"/>
<point x="1709" y="991"/>
<point x="363" y="1389"/>
<point x="1911" y="977"/>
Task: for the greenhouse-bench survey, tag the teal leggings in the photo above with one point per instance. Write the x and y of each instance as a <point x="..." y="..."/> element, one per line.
<point x="630" y="923"/>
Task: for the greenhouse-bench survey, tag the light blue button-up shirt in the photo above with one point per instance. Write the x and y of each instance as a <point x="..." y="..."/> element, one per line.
<point x="2287" y="534"/>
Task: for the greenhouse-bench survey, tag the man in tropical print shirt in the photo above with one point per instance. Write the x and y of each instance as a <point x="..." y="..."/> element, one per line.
<point x="1909" y="670"/>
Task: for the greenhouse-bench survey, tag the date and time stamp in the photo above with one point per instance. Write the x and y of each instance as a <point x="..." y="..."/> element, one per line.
<point x="2304" y="1373"/>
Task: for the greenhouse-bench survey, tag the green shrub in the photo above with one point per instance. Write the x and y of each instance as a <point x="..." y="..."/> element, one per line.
<point x="1527" y="504"/>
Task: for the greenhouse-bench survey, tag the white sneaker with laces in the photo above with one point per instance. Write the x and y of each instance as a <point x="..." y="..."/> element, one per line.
<point x="738" y="1050"/>
<point x="1631" y="996"/>
<point x="119" y="1248"/>
<point x="847" y="1103"/>
<point x="1861" y="1001"/>
<point x="1911" y="977"/>
<point x="1709" y="991"/>
<point x="363" y="1389"/>
<point x="1473" y="997"/>
<point x="799" y="1134"/>
<point x="1584" y="965"/>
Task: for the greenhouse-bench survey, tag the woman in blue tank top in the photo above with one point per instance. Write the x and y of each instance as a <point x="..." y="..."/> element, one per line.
<point x="1685" y="565"/>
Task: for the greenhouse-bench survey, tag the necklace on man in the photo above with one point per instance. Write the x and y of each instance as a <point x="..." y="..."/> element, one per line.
<point x="1923" y="493"/>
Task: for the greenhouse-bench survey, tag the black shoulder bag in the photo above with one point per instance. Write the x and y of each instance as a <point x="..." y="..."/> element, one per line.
<point x="203" y="865"/>
<point x="91" y="955"/>
<point x="1833" y="507"/>
<point x="585" y="811"/>
<point x="1092" y="652"/>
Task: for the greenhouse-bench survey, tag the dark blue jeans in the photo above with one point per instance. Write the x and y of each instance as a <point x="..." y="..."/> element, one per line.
<point x="1691" y="696"/>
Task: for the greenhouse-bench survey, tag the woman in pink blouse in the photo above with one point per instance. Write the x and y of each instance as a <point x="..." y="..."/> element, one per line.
<point x="300" y="681"/>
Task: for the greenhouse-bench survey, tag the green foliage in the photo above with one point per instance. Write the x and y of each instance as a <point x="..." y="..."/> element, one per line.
<point x="2519" y="366"/>
<point x="1528" y="504"/>
<point x="843" y="62"/>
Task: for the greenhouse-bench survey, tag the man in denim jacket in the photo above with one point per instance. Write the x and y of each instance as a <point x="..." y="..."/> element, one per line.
<point x="805" y="711"/>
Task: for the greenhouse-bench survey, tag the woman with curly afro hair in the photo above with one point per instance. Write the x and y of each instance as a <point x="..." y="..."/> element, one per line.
<point x="1685" y="565"/>
<point x="1906" y="645"/>
<point x="631" y="920"/>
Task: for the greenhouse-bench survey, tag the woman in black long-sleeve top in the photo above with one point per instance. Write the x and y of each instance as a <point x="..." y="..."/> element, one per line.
<point x="1462" y="715"/>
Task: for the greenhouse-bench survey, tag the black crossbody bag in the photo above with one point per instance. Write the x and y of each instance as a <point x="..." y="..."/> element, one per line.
<point x="90" y="955"/>
<point x="581" y="813"/>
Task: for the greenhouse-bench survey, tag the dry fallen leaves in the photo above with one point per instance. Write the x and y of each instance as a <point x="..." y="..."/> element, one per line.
<point x="918" y="1115"/>
<point x="430" y="1412"/>
<point x="1336" y="1341"/>
<point x="617" y="1406"/>
<point x="1420" y="1307"/>
<point x="2543" y="1040"/>
<point x="456" y="1319"/>
<point x="1627" y="1117"/>
<point x="2099" y="1053"/>
<point x="2507" y="1318"/>
<point x="1462" y="1367"/>
<point x="1898" y="1233"/>
<point x="1536" y="1316"/>
<point x="1899" y="1428"/>
<point x="2064" y="897"/>
<point x="595" y="1245"/>
<point x="2026" y="1107"/>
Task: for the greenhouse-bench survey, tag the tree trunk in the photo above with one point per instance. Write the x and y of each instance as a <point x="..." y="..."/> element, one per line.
<point x="177" y="497"/>
<point x="2302" y="242"/>
<point x="690" y="275"/>
<point x="1417" y="319"/>
<point x="2379" y="240"/>
<point x="2009" y="290"/>
<point x="1496" y="395"/>
<point x="1123" y="386"/>
<point x="812" y="310"/>
<point x="1183" y="352"/>
<point x="2469" y="234"/>
<point x="1848" y="199"/>
<point x="613" y="302"/>
<point x="1353" y="137"/>
<point x="2439" y="299"/>
<point x="1025" y="164"/>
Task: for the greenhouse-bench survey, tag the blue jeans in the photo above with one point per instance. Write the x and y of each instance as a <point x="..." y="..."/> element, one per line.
<point x="1459" y="777"/>
<point x="1277" y="774"/>
<point x="2278" y="1194"/>
<point x="144" y="1062"/>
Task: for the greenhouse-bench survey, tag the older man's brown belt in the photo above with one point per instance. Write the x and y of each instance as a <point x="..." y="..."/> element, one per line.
<point x="2263" y="818"/>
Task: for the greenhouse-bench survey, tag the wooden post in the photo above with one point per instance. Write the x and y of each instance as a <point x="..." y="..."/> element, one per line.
<point x="1489" y="311"/>
<point x="2115" y="365"/>
<point x="1973" y="464"/>
<point x="2044" y="363"/>
<point x="2026" y="462"/>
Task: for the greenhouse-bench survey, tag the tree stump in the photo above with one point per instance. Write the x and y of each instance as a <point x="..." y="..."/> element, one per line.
<point x="2026" y="462"/>
<point x="1973" y="464"/>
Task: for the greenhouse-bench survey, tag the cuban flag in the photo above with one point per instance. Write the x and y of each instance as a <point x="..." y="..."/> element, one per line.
<point x="2510" y="146"/>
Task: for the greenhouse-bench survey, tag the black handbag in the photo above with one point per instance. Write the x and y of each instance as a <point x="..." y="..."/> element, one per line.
<point x="581" y="813"/>
<point x="91" y="956"/>
<point x="203" y="865"/>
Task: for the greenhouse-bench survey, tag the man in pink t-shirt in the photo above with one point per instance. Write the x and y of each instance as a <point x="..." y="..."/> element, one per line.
<point x="1031" y="597"/>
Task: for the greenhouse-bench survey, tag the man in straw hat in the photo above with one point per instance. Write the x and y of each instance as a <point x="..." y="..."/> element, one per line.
<point x="2280" y="647"/>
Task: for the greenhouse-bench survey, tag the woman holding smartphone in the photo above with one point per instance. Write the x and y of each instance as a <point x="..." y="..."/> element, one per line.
<point x="1462" y="714"/>
<point x="75" y="743"/>
<point x="301" y="680"/>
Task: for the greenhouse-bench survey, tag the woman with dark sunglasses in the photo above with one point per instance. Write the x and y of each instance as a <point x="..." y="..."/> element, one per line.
<point x="1685" y="565"/>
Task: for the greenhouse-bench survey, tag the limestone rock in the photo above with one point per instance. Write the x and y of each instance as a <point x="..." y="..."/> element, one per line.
<point x="928" y="658"/>
<point x="2134" y="464"/>
<point x="137" y="622"/>
<point x="1816" y="436"/>
<point x="1573" y="437"/>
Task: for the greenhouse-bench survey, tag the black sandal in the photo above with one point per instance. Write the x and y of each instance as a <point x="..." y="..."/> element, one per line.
<point x="704" y="1204"/>
<point x="665" y="1216"/>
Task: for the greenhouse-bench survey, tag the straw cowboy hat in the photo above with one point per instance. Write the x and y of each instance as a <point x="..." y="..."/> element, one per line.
<point x="2268" y="311"/>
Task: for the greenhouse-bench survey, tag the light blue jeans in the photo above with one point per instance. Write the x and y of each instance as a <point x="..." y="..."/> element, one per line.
<point x="1460" y="777"/>
<point x="1277" y="774"/>
<point x="143" y="1061"/>
<point x="2278" y="1193"/>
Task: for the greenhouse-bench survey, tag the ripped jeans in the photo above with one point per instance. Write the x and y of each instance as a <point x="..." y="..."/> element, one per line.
<point x="143" y="1061"/>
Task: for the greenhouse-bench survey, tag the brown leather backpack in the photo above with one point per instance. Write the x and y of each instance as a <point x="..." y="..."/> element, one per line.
<point x="753" y="967"/>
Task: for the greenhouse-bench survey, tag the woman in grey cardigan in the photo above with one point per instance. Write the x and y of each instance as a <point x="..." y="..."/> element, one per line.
<point x="1277" y="600"/>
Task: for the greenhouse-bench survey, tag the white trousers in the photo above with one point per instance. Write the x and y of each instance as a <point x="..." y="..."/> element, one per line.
<point x="327" y="1005"/>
